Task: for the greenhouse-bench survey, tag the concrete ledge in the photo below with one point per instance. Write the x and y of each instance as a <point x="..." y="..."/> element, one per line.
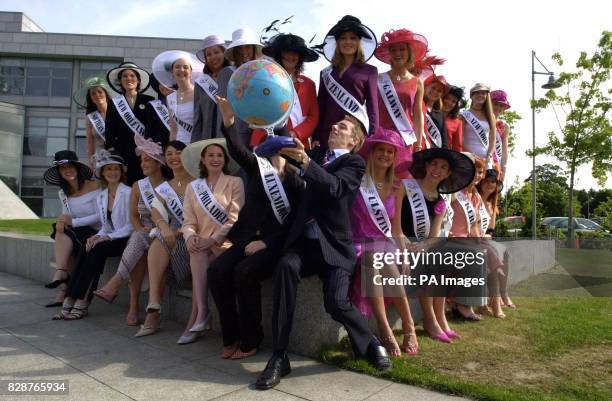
<point x="29" y="256"/>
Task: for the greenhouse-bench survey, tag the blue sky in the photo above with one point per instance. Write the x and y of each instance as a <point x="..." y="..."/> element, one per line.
<point x="483" y="41"/>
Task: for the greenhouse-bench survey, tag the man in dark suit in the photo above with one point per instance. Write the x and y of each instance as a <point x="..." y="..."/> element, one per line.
<point x="320" y="242"/>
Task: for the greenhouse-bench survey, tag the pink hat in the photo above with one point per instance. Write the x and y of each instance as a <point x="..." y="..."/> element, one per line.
<point x="152" y="149"/>
<point x="416" y="42"/>
<point x="210" y="41"/>
<point x="389" y="137"/>
<point x="501" y="97"/>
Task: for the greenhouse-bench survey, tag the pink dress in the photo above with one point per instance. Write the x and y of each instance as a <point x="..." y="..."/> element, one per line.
<point x="364" y="228"/>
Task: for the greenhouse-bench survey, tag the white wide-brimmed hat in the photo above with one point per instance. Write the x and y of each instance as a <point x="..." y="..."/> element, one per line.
<point x="210" y="41"/>
<point x="192" y="154"/>
<point x="113" y="76"/>
<point x="163" y="62"/>
<point x="242" y="37"/>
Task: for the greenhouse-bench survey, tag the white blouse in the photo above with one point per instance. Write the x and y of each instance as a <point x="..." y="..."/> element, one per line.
<point x="184" y="112"/>
<point x="120" y="225"/>
<point x="471" y="141"/>
<point x="83" y="210"/>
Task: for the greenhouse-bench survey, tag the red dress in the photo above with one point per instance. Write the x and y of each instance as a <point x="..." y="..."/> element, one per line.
<point x="307" y="95"/>
<point x="454" y="130"/>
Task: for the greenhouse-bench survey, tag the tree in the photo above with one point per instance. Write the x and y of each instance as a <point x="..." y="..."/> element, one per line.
<point x="585" y="136"/>
<point x="605" y="210"/>
<point x="591" y="199"/>
<point x="510" y="117"/>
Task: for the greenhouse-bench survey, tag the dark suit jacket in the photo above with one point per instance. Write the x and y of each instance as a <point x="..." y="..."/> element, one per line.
<point x="329" y="196"/>
<point x="154" y="127"/>
<point x="121" y="138"/>
<point x="256" y="219"/>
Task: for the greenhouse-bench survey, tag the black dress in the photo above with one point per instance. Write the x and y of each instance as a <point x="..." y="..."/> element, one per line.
<point x="119" y="135"/>
<point x="155" y="127"/>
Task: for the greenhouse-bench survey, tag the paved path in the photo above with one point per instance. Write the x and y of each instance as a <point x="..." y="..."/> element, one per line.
<point x="103" y="361"/>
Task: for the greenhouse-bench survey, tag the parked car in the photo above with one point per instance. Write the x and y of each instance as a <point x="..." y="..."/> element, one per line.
<point x="581" y="225"/>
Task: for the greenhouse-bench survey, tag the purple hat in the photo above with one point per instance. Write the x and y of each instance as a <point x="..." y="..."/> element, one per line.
<point x="210" y="41"/>
<point x="501" y="97"/>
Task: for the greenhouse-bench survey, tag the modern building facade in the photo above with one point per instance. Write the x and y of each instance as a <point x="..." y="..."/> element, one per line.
<point x="39" y="72"/>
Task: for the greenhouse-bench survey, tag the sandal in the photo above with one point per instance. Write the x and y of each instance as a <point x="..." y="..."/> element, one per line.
<point x="410" y="344"/>
<point x="229" y="350"/>
<point x="391" y="346"/>
<point x="472" y="317"/>
<point x="61" y="315"/>
<point x="239" y="354"/>
<point x="77" y="312"/>
<point x="57" y="283"/>
<point x="105" y="296"/>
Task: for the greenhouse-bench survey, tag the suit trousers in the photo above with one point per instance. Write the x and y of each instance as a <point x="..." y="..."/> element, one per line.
<point x="306" y="259"/>
<point x="235" y="285"/>
<point x="84" y="279"/>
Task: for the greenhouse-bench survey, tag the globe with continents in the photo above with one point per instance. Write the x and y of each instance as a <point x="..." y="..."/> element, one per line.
<point x="261" y="93"/>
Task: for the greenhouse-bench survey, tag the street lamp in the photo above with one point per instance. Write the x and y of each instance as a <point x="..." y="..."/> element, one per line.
<point x="551" y="84"/>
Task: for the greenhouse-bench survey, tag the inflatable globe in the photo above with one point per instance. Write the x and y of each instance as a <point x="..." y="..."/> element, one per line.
<point x="261" y="93"/>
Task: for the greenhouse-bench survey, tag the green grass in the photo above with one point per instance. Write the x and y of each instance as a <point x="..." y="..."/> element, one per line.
<point x="553" y="347"/>
<point x="28" y="226"/>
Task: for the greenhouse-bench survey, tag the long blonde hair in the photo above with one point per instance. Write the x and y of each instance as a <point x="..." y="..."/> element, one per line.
<point x="389" y="174"/>
<point x="338" y="59"/>
<point x="488" y="110"/>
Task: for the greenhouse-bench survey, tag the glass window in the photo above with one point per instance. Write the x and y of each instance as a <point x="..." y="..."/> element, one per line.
<point x="45" y="136"/>
<point x="35" y="146"/>
<point x="51" y="131"/>
<point x="58" y="122"/>
<point x="81" y="148"/>
<point x="55" y="145"/>
<point x="12" y="72"/>
<point x="36" y="204"/>
<point x="37" y="86"/>
<point x="48" y="78"/>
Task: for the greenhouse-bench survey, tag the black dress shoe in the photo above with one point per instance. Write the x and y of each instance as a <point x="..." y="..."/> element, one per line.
<point x="276" y="368"/>
<point x="377" y="355"/>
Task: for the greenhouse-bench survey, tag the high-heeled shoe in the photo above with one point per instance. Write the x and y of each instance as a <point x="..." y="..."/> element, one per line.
<point x="57" y="283"/>
<point x="189" y="338"/>
<point x="203" y="325"/>
<point x="105" y="296"/>
<point x="148" y="330"/>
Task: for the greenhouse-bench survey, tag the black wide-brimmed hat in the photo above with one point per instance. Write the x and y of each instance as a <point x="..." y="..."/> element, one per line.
<point x="462" y="168"/>
<point x="52" y="175"/>
<point x="348" y="23"/>
<point x="287" y="42"/>
<point x="115" y="82"/>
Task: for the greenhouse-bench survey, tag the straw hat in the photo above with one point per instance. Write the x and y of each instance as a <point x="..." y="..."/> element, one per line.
<point x="192" y="154"/>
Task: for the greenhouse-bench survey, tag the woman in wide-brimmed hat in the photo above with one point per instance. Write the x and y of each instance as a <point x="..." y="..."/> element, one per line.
<point x="348" y="85"/>
<point x="400" y="97"/>
<point x="257" y="237"/>
<point x="245" y="47"/>
<point x="479" y="124"/>
<point x="452" y="103"/>
<point x="94" y="95"/>
<point x="435" y="171"/>
<point x="78" y="220"/>
<point x="206" y="123"/>
<point x="380" y="194"/>
<point x="113" y="209"/>
<point x="178" y="69"/>
<point x="291" y="52"/>
<point x="436" y="87"/>
<point x="499" y="100"/>
<point x="133" y="264"/>
<point x="126" y="114"/>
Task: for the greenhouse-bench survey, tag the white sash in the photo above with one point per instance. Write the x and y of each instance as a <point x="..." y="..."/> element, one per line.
<point x="344" y="99"/>
<point x="432" y="131"/>
<point x="274" y="190"/>
<point x="173" y="104"/>
<point x="103" y="207"/>
<point x="485" y="219"/>
<point x="376" y="207"/>
<point x="146" y="192"/>
<point x="449" y="214"/>
<point x="420" y="215"/>
<point x="481" y="131"/>
<point x="162" y="112"/>
<point x="96" y="120"/>
<point x="296" y="116"/>
<point x="173" y="202"/>
<point x="395" y="109"/>
<point x="209" y="85"/>
<point x="64" y="200"/>
<point x="207" y="201"/>
<point x="468" y="208"/>
<point x="127" y="115"/>
<point x="499" y="148"/>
